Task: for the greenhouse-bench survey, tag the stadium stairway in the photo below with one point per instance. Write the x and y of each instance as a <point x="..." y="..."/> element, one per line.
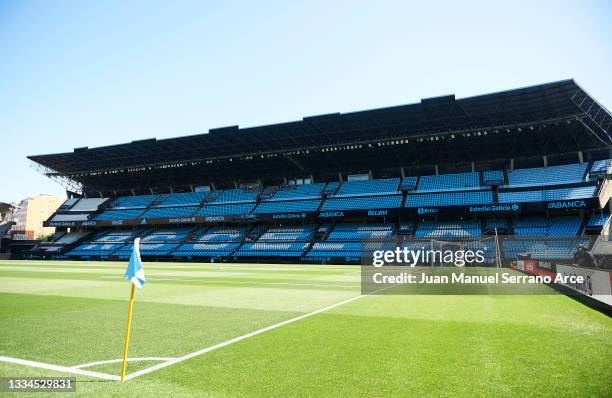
<point x="495" y="194"/>
<point x="587" y="171"/>
<point x="407" y="228"/>
<point x="320" y="205"/>
<point x="267" y="193"/>
<point x="332" y="188"/>
<point x="190" y="237"/>
<point x="404" y="199"/>
<point x="483" y="226"/>
<point x="251" y="236"/>
<point x="319" y="236"/>
<point x="583" y="224"/>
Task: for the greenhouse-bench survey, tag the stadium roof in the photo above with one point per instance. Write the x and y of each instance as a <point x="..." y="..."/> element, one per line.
<point x="351" y="141"/>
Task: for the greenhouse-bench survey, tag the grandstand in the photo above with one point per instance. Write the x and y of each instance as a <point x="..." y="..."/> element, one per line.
<point x="327" y="188"/>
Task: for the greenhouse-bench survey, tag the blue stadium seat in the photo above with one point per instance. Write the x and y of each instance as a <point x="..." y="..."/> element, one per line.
<point x="229" y="209"/>
<point x="94" y="249"/>
<point x="351" y="239"/>
<point x="212" y="242"/>
<point x="272" y="249"/>
<point x="111" y="237"/>
<point x="206" y="249"/>
<point x="166" y="236"/>
<point x="601" y="167"/>
<point x="443" y="229"/>
<point x="550" y="175"/>
<point x="542" y="226"/>
<point x="236" y="195"/>
<point x="547" y="195"/>
<point x="406" y="228"/>
<point x="127" y="202"/>
<point x="148" y="249"/>
<point x="544" y="249"/>
<point x="220" y="234"/>
<point x="119" y="214"/>
<point x="357" y="235"/>
<point x="500" y="224"/>
<point x="449" y="182"/>
<point x="369" y="187"/>
<point x="300" y="191"/>
<point x="493" y="177"/>
<point x="353" y="226"/>
<point x="286" y="206"/>
<point x="288" y="234"/>
<point x="331" y="187"/>
<point x="156" y="212"/>
<point x="409" y="183"/>
<point x="290" y="241"/>
<point x="598" y="220"/>
<point x="358" y="232"/>
<point x="449" y="199"/>
<point x="187" y="198"/>
<point x="335" y="249"/>
<point x="367" y="202"/>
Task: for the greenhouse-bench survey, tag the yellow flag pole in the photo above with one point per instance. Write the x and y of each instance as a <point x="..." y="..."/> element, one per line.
<point x="127" y="334"/>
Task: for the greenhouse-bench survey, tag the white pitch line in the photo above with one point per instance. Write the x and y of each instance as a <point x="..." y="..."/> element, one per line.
<point x="240" y="338"/>
<point x="77" y="369"/>
<point x="59" y="368"/>
<point x="90" y="364"/>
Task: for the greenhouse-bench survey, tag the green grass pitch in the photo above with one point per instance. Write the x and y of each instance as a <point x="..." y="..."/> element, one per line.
<point x="74" y="313"/>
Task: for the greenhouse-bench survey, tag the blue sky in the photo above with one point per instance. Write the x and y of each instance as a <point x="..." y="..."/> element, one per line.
<point x="92" y="73"/>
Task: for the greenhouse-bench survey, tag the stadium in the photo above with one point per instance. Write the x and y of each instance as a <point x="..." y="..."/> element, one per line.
<point x="522" y="163"/>
<point x="255" y="242"/>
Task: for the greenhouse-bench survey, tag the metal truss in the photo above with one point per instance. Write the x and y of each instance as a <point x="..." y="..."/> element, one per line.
<point x="65" y="181"/>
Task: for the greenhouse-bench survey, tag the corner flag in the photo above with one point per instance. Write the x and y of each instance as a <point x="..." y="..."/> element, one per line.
<point x="135" y="274"/>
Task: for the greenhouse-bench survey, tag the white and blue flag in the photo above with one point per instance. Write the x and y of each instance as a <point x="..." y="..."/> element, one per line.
<point x="134" y="272"/>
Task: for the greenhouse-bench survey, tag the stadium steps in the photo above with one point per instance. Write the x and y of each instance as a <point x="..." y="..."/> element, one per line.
<point x="334" y="191"/>
<point x="308" y="248"/>
<point x="329" y="231"/>
<point x="193" y="235"/>
<point x="495" y="193"/>
<point x="483" y="226"/>
<point x="414" y="226"/>
<point x="251" y="236"/>
<point x="325" y="193"/>
<point x="583" y="225"/>
<point x="269" y="192"/>
<point x="144" y="233"/>
<point x="171" y="251"/>
<point x="587" y="170"/>
<point x="317" y="237"/>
